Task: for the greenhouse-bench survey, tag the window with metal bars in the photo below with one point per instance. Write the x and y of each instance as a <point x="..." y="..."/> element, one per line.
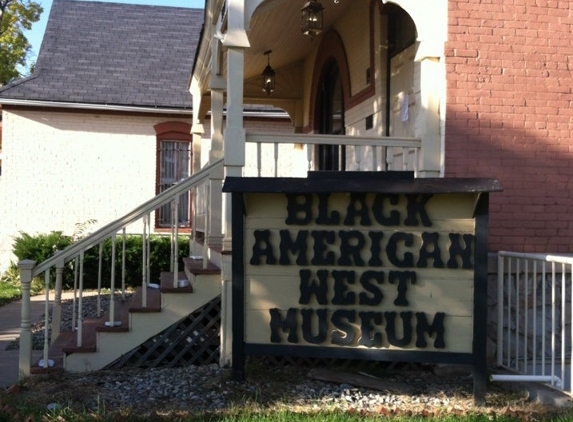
<point x="174" y="163"/>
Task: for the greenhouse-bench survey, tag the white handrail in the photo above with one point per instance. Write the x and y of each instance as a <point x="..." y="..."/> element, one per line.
<point x="99" y="235"/>
<point x="333" y="140"/>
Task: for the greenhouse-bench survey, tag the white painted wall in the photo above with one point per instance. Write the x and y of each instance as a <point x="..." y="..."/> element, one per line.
<point x="62" y="168"/>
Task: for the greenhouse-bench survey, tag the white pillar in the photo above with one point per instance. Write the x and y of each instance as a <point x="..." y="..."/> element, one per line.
<point x="25" y="364"/>
<point x="430" y="157"/>
<point x="233" y="153"/>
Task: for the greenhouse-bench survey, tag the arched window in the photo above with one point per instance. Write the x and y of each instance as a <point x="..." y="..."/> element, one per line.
<point x="174" y="160"/>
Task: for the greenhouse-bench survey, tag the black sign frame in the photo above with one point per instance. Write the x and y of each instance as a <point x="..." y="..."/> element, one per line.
<point x="365" y="182"/>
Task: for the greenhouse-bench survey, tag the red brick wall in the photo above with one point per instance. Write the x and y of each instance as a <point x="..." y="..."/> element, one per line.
<point x="510" y="115"/>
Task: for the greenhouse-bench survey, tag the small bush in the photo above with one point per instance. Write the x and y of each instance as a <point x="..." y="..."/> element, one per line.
<point x="42" y="246"/>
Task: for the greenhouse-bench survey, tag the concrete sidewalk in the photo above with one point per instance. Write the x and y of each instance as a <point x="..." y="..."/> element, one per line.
<point x="10" y="320"/>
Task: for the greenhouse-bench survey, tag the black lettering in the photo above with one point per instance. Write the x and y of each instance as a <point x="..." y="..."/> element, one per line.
<point x="341" y="294"/>
<point x="458" y="251"/>
<point x="437" y="327"/>
<point x="392" y="249"/>
<point x="322" y="256"/>
<point x="351" y="244"/>
<point x="430" y="250"/>
<point x="299" y="209"/>
<point x="368" y="321"/>
<point x="366" y="280"/>
<point x="263" y="247"/>
<point x="403" y="277"/>
<point x="288" y="324"/>
<point x="357" y="208"/>
<point x="321" y="325"/>
<point x="378" y="210"/>
<point x="287" y="245"/>
<point x="417" y="207"/>
<point x="375" y="249"/>
<point x="323" y="217"/>
<point x="312" y="287"/>
<point x="406" y="328"/>
<point x="344" y="333"/>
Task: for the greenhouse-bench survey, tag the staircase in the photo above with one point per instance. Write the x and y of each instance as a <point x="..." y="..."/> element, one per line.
<point x="103" y="344"/>
<point x="157" y="313"/>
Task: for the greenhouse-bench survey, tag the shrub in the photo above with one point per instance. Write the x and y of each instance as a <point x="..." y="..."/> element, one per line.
<point x="42" y="246"/>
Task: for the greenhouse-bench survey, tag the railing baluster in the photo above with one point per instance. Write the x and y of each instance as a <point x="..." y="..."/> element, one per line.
<point x="111" y="322"/>
<point x="553" y="310"/>
<point x="276" y="145"/>
<point x="81" y="301"/>
<point x="309" y="153"/>
<point x="205" y="253"/>
<point x="500" y="289"/>
<point x="517" y="298"/>
<point x="175" y="241"/>
<point x="534" y="317"/>
<point x="46" y="362"/>
<point x="526" y="312"/>
<point x="358" y="157"/>
<point x="123" y="264"/>
<point x="57" y="308"/>
<point x="99" y="276"/>
<point x="509" y="319"/>
<point x="74" y="299"/>
<point x="543" y="315"/>
<point x="259" y="159"/>
<point x="563" y="312"/>
<point x="570" y="360"/>
<point x="145" y="252"/>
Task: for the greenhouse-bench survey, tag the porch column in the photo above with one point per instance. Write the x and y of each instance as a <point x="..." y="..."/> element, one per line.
<point x="233" y="153"/>
<point x="197" y="131"/>
<point x="428" y="123"/>
<point x="217" y="89"/>
<point x="236" y="41"/>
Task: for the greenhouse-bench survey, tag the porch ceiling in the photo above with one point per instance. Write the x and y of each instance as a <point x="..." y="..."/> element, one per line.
<point x="275" y="26"/>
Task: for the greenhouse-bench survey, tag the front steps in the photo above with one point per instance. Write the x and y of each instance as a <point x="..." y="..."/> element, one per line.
<point x="102" y="345"/>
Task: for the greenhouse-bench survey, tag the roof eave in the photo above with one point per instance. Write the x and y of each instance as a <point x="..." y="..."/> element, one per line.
<point x="96" y="107"/>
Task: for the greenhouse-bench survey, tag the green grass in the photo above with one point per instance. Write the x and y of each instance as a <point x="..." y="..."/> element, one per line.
<point x="9" y="292"/>
<point x="11" y="288"/>
<point x="63" y="415"/>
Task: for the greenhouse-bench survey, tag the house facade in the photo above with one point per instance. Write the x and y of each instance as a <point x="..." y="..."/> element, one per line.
<point x="484" y="87"/>
<point x="436" y="91"/>
<point x="91" y="134"/>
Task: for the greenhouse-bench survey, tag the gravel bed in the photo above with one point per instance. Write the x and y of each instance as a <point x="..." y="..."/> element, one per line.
<point x="414" y="389"/>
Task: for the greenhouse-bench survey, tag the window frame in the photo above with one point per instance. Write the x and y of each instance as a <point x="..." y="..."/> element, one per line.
<point x="173" y="131"/>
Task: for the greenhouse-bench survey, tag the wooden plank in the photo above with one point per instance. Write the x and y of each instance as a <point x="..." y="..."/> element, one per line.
<point x="153" y="301"/>
<point x="458" y="334"/>
<point x="453" y="206"/>
<point x="195" y="266"/>
<point x="453" y="296"/>
<point x="166" y="283"/>
<point x="318" y="185"/>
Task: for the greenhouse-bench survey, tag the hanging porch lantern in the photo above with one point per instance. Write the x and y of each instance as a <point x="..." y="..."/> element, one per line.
<point x="311" y="23"/>
<point x="268" y="75"/>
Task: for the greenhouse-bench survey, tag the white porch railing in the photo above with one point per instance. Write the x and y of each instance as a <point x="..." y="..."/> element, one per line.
<point x="535" y="319"/>
<point x="76" y="252"/>
<point x="294" y="155"/>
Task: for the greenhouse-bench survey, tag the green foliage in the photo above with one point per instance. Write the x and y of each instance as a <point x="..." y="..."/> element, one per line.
<point x="42" y="246"/>
<point x="16" y="17"/>
<point x="11" y="287"/>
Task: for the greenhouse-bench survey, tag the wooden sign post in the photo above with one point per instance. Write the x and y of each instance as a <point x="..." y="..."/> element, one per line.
<point x="373" y="266"/>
